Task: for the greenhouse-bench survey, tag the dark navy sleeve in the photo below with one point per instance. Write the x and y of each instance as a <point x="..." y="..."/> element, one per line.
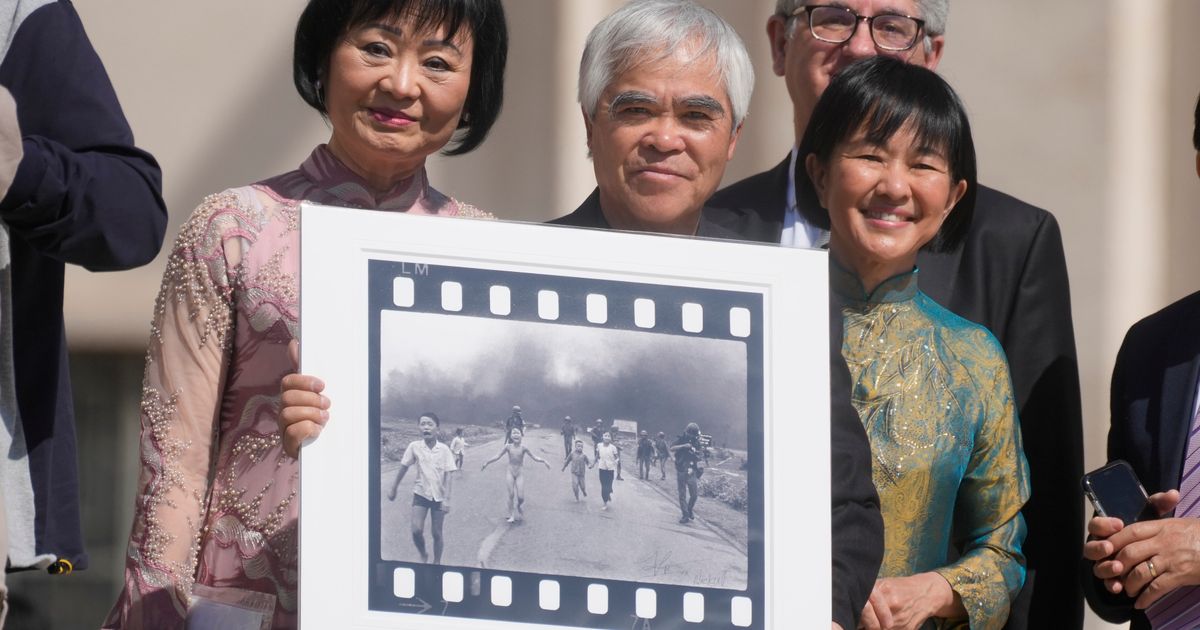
<point x="83" y="194"/>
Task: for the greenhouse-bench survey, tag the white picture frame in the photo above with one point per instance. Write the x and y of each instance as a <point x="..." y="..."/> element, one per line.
<point x="386" y="296"/>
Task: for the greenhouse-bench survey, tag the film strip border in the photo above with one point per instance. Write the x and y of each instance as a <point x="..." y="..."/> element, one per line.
<point x="599" y="597"/>
<point x="612" y="304"/>
<point x="571" y="601"/>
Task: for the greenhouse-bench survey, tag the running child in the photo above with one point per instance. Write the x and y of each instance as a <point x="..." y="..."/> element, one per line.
<point x="458" y="446"/>
<point x="516" y="482"/>
<point x="579" y="463"/>
<point x="431" y="491"/>
<point x="608" y="458"/>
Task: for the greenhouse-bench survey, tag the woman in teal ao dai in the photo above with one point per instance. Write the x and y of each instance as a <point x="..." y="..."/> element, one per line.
<point x="889" y="155"/>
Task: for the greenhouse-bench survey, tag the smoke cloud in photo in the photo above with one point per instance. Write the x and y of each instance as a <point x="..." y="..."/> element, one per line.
<point x="472" y="370"/>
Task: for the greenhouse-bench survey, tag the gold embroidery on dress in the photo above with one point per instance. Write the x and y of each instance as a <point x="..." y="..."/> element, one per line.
<point x="933" y="394"/>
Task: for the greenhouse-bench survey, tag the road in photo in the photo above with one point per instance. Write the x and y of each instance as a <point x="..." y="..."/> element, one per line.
<point x="638" y="539"/>
<point x="483" y="375"/>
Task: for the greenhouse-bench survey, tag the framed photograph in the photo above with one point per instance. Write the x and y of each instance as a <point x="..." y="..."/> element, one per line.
<point x="544" y="427"/>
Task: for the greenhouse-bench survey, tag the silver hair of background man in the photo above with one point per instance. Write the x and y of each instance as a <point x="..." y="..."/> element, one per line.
<point x="649" y="31"/>
<point x="934" y="12"/>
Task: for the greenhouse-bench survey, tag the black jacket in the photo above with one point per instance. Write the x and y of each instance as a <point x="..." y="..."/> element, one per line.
<point x="1009" y="275"/>
<point x="1151" y="400"/>
<point x="589" y="215"/>
<point x="857" y="525"/>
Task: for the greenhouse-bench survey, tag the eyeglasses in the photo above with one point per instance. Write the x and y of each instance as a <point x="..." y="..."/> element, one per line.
<point x="837" y="25"/>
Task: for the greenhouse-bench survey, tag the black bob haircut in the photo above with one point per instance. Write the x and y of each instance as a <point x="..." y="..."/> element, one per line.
<point x="324" y="22"/>
<point x="1196" y="128"/>
<point x="882" y="95"/>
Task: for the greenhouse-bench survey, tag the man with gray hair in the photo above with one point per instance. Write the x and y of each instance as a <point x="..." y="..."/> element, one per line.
<point x="664" y="87"/>
<point x="1009" y="275"/>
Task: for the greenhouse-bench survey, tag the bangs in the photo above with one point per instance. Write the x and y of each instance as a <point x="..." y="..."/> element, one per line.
<point x="934" y="129"/>
<point x="426" y="15"/>
<point x="882" y="103"/>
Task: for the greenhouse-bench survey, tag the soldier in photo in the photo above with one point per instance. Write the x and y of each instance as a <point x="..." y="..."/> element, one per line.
<point x="645" y="454"/>
<point x="514" y="421"/>
<point x="568" y="436"/>
<point x="688" y="451"/>
<point x="662" y="453"/>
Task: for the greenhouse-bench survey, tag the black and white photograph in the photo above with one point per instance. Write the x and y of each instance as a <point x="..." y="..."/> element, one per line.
<point x="525" y="439"/>
<point x="540" y="447"/>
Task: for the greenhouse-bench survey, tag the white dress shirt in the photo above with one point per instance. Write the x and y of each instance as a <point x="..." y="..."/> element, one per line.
<point x="796" y="231"/>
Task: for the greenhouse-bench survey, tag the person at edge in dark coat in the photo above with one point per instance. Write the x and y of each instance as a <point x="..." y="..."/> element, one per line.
<point x="74" y="189"/>
<point x="1146" y="573"/>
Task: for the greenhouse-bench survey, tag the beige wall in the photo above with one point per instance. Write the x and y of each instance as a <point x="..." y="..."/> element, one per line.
<point x="1080" y="106"/>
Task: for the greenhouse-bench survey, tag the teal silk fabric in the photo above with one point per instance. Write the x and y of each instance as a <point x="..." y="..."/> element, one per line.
<point x="934" y="394"/>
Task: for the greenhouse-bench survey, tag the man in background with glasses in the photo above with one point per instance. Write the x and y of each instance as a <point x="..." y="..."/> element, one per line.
<point x="1009" y="275"/>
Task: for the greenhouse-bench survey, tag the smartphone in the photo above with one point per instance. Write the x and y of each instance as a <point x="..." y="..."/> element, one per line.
<point x="1114" y="490"/>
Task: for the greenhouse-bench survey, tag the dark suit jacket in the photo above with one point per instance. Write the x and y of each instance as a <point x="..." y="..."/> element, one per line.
<point x="1152" y="397"/>
<point x="857" y="526"/>
<point x="589" y="215"/>
<point x="1009" y="275"/>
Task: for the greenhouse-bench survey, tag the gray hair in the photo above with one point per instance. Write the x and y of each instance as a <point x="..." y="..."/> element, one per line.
<point x="649" y="31"/>
<point x="934" y="12"/>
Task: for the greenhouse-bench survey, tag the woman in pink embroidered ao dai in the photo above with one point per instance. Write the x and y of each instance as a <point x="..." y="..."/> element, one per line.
<point x="216" y="510"/>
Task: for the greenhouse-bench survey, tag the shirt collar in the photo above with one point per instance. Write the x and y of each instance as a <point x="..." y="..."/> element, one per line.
<point x="422" y="445"/>
<point x="791" y="190"/>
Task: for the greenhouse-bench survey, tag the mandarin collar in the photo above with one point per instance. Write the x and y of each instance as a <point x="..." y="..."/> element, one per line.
<point x="899" y="288"/>
<point x="325" y="170"/>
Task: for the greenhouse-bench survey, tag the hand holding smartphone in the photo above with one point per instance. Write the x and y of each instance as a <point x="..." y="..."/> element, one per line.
<point x="1115" y="491"/>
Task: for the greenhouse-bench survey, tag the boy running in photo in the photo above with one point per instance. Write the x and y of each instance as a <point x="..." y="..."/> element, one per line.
<point x="579" y="463"/>
<point x="516" y="482"/>
<point x="458" y="446"/>
<point x="431" y="491"/>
